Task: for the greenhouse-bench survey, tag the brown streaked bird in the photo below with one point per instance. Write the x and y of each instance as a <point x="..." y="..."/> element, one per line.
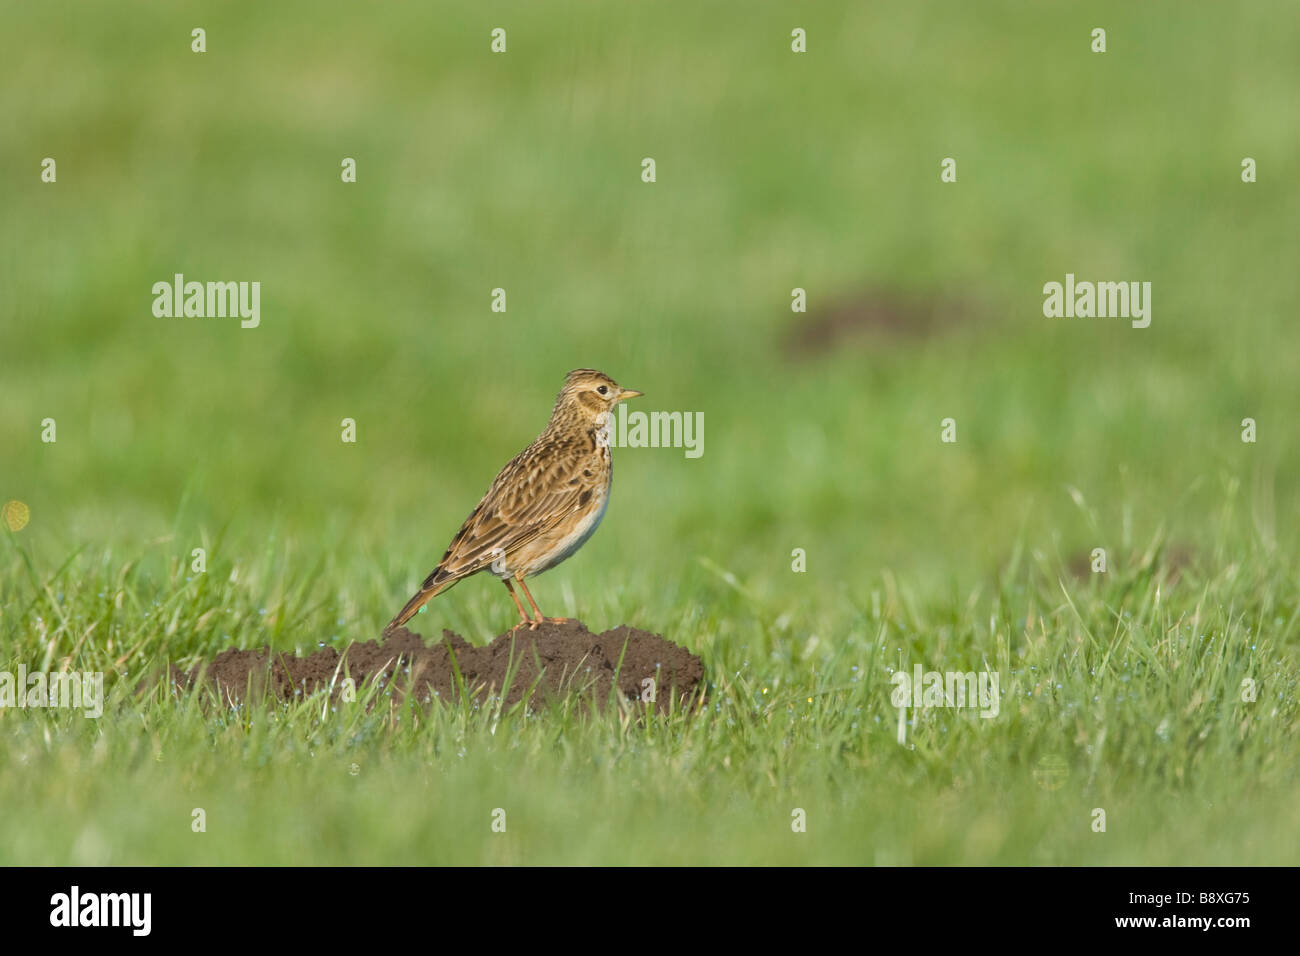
<point x="545" y="503"/>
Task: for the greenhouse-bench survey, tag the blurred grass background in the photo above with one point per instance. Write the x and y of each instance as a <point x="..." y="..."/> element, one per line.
<point x="522" y="171"/>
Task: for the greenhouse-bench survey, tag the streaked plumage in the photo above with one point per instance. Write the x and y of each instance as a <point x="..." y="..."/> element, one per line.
<point x="545" y="503"/>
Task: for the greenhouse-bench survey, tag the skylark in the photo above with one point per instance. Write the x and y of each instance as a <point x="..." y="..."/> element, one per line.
<point x="545" y="503"/>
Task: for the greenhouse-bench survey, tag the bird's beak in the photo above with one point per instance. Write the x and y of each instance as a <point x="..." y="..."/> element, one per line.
<point x="628" y="393"/>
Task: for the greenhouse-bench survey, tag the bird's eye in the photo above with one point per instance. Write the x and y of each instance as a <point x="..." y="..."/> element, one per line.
<point x="603" y="390"/>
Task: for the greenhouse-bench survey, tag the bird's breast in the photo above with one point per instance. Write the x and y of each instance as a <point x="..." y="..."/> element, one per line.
<point x="577" y="533"/>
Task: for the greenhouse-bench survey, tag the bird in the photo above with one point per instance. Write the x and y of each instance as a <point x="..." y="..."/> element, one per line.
<point x="543" y="505"/>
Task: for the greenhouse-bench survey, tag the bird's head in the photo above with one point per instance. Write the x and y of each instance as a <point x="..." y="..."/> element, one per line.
<point x="590" y="394"/>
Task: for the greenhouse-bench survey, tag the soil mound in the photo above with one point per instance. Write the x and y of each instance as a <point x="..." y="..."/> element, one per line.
<point x="568" y="657"/>
<point x="880" y="312"/>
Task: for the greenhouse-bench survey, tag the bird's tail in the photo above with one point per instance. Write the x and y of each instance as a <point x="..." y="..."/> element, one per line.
<point x="433" y="585"/>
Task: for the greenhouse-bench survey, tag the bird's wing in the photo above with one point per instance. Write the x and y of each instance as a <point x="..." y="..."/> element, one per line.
<point x="534" y="494"/>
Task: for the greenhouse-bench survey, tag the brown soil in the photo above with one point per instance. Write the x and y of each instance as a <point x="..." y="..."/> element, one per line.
<point x="1171" y="561"/>
<point x="572" y="659"/>
<point x="874" y="311"/>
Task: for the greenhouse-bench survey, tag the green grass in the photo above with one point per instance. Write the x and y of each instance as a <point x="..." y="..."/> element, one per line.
<point x="774" y="171"/>
<point x="1134" y="687"/>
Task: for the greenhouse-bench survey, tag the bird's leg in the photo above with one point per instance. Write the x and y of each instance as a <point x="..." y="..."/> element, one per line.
<point x="514" y="597"/>
<point x="528" y="594"/>
<point x="540" y="618"/>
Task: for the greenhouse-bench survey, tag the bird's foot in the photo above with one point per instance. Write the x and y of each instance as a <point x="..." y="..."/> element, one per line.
<point x="560" y="620"/>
